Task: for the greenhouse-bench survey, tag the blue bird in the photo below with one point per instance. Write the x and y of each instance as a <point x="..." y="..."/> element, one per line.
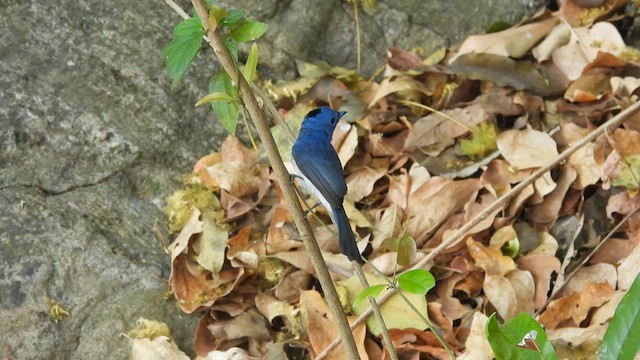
<point x="317" y="163"/>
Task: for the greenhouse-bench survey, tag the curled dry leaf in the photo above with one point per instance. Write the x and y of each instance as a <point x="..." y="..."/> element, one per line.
<point x="402" y="84"/>
<point x="490" y="259"/>
<point x="321" y="328"/>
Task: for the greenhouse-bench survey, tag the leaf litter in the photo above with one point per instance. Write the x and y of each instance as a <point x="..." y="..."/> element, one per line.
<point x="425" y="148"/>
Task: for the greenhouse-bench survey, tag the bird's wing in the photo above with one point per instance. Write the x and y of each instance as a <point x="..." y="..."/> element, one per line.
<point x="321" y="166"/>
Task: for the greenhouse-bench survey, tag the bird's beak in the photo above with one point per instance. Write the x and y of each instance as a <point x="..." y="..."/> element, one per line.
<point x="341" y="114"/>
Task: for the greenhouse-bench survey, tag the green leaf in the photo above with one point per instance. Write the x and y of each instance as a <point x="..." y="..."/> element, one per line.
<point x="406" y="250"/>
<point x="249" y="70"/>
<point x="521" y="338"/>
<point x="215" y="96"/>
<point x="227" y="112"/>
<point x="248" y="31"/>
<point x="482" y="142"/>
<point x="416" y="281"/>
<point x="232" y="46"/>
<point x="498" y="26"/>
<point x="232" y="17"/>
<point x="184" y="47"/>
<point x="374" y="291"/>
<point x="621" y="339"/>
<point x="397" y="314"/>
<point x="511" y="248"/>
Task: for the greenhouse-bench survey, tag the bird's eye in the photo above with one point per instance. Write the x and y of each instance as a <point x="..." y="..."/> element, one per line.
<point x="333" y="120"/>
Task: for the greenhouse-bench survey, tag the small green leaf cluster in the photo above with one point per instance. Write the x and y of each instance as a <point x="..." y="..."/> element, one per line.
<point x="188" y="37"/>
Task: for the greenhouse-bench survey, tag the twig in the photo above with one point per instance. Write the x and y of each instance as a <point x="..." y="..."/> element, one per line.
<point x="376" y="311"/>
<point x="282" y="176"/>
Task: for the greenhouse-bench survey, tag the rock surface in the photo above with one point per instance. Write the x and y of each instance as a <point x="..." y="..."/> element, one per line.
<point x="92" y="140"/>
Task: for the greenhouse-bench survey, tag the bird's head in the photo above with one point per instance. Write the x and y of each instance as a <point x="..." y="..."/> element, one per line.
<point x="323" y="119"/>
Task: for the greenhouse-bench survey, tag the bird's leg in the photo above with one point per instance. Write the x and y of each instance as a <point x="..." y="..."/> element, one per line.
<point x="307" y="212"/>
<point x="295" y="176"/>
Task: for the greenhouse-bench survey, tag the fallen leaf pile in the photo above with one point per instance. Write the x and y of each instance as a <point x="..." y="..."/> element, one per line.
<point x="424" y="149"/>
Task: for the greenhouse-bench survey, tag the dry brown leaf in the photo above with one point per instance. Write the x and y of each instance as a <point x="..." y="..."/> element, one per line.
<point x="584" y="46"/>
<point x="360" y="182"/>
<point x="413" y="343"/>
<point x="589" y="87"/>
<point x="576" y="343"/>
<point x="542" y="79"/>
<point x="434" y="202"/>
<point x="388" y="226"/>
<point x="573" y="309"/>
<point x="548" y="210"/>
<point x="477" y="346"/>
<point x="394" y="84"/>
<point x="347" y="144"/>
<point x="628" y="269"/>
<point x="233" y="150"/>
<point x="541" y="267"/>
<point x="194" y="287"/>
<point x="321" y="328"/>
<point x="490" y="259"/>
<point x="248" y="324"/>
<point x="525" y="149"/>
<point x="614" y="250"/>
<point x="598" y="273"/>
<point x="514" y="42"/>
<point x="210" y="246"/>
<point x="583" y="161"/>
<point x="192" y="227"/>
<point x="434" y="132"/>
<point x="606" y="311"/>
<point x="289" y="289"/>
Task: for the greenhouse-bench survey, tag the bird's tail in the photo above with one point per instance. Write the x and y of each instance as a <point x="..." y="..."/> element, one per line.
<point x="347" y="241"/>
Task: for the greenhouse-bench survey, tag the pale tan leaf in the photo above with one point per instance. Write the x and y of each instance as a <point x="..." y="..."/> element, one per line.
<point x="525" y="149"/>
<point x="513" y="42"/>
<point x="211" y="245"/>
<point x="396" y="84"/>
<point x="322" y="328"/>
<point x="160" y="348"/>
<point x="477" y="346"/>
<point x="396" y="313"/>
<point x="628" y="269"/>
<point x="588" y="171"/>
<point x="584" y="46"/>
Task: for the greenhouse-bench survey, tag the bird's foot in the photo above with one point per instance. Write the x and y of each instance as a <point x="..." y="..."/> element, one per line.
<point x="307" y="212"/>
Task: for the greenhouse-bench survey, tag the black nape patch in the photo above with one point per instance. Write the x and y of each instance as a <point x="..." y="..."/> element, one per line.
<point x="313" y="112"/>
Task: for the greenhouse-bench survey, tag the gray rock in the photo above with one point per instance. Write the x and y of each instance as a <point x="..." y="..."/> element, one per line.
<point x="92" y="140"/>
